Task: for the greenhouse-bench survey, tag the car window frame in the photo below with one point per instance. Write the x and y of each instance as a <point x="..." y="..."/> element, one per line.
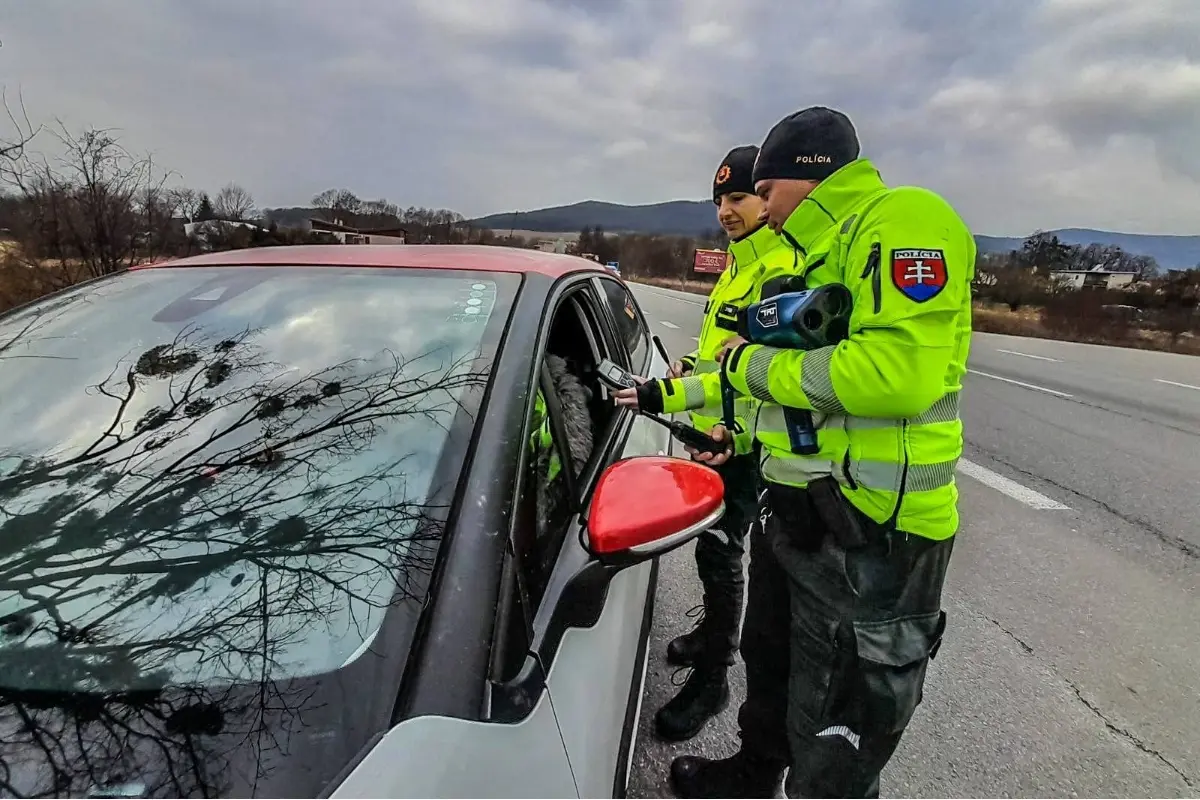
<point x="582" y="297"/>
<point x="614" y="326"/>
<point x="576" y="587"/>
<point x="517" y="571"/>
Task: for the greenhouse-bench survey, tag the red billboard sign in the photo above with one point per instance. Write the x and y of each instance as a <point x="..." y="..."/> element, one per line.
<point x="709" y="261"/>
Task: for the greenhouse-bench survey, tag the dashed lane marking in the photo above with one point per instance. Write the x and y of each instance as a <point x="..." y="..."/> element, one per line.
<point x="1028" y="355"/>
<point x="1054" y="392"/>
<point x="1177" y="383"/>
<point x="1016" y="491"/>
<point x="669" y="324"/>
<point x="675" y="297"/>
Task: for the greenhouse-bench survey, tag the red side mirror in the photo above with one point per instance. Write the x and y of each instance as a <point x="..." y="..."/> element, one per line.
<point x="645" y="506"/>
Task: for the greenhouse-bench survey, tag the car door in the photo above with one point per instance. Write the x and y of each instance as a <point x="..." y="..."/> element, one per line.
<point x="587" y="626"/>
<point x="598" y="677"/>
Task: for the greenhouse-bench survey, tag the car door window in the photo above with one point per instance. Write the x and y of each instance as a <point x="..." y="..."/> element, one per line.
<point x="566" y="427"/>
<point x="547" y="492"/>
<point x="631" y="325"/>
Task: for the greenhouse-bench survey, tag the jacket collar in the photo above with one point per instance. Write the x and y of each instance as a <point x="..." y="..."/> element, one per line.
<point x="752" y="247"/>
<point x="830" y="203"/>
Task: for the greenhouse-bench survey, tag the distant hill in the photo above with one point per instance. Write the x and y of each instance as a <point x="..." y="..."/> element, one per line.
<point x="696" y="218"/>
<point x="677" y="217"/>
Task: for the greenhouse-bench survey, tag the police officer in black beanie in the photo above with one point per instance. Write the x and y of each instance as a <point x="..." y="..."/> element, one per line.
<point x="843" y="606"/>
<point x="710" y="647"/>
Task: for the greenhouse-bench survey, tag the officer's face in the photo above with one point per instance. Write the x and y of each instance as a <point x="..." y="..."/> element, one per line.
<point x="780" y="198"/>
<point x="738" y="213"/>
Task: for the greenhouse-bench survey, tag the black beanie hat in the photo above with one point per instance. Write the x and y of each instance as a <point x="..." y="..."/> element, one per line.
<point x="736" y="172"/>
<point x="808" y="145"/>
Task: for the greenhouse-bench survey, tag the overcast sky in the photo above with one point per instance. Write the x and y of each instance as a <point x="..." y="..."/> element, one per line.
<point x="1024" y="113"/>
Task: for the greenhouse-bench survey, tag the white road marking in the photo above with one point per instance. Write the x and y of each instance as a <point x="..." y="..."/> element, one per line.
<point x="1176" y="383"/>
<point x="1029" y="355"/>
<point x="1021" y="383"/>
<point x="636" y="718"/>
<point x="670" y="325"/>
<point x="676" y="297"/>
<point x="695" y="338"/>
<point x="1016" y="491"/>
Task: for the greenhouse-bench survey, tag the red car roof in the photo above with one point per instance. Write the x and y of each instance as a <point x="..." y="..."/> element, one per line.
<point x="397" y="256"/>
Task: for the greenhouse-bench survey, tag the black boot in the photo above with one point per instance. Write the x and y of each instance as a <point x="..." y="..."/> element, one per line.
<point x="683" y="650"/>
<point x="740" y="775"/>
<point x="704" y="695"/>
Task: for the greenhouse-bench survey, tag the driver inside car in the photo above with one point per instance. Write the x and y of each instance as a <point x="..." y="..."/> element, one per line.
<point x="553" y="503"/>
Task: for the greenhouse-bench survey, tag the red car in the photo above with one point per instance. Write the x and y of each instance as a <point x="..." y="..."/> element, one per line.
<point x="330" y="520"/>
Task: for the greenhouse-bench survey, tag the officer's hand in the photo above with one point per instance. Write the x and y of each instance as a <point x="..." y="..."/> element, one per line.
<point x="628" y="397"/>
<point x="732" y="343"/>
<point x="677" y="370"/>
<point x="714" y="459"/>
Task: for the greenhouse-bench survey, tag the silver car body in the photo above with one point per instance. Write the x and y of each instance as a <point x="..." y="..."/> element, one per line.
<point x="570" y="745"/>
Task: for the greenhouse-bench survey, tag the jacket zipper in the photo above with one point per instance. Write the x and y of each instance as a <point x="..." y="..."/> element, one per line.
<point x="872" y="270"/>
<point x="853" y="484"/>
<point x="711" y="312"/>
<point x="903" y="474"/>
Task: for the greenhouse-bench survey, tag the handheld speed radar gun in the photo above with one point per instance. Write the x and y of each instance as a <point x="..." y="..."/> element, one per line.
<point x="799" y="320"/>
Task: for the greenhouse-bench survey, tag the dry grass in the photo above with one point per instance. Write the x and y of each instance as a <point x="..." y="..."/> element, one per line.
<point x="988" y="318"/>
<point x="998" y="319"/>
<point x="22" y="282"/>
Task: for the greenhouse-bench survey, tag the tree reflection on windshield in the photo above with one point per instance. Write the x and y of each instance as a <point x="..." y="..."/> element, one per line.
<point x="233" y="526"/>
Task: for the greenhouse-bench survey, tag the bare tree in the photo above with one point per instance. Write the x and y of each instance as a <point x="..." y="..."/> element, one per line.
<point x="241" y="482"/>
<point x="217" y="475"/>
<point x="94" y="210"/>
<point x="234" y="203"/>
<point x="12" y="146"/>
<point x="1016" y="286"/>
<point x="185" y="201"/>
<point x="380" y="208"/>
<point x="337" y="203"/>
<point x="435" y="226"/>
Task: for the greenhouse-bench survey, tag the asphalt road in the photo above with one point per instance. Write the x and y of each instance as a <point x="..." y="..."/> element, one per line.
<point x="1071" y="665"/>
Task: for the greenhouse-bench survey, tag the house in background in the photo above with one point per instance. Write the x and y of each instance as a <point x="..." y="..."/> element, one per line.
<point x="558" y="245"/>
<point x="350" y="235"/>
<point x="202" y="227"/>
<point x="202" y="231"/>
<point x="1095" y="278"/>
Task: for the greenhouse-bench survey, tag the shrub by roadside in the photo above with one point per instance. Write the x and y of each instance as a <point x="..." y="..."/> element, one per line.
<point x="1061" y="321"/>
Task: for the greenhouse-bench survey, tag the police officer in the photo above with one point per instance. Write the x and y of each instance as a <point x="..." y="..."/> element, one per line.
<point x="709" y="648"/>
<point x="844" y="603"/>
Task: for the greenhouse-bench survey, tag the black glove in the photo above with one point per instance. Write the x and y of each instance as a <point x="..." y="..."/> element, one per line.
<point x="650" y="397"/>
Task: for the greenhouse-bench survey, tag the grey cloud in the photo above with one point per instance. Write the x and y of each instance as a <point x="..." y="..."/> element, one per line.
<point x="1024" y="113"/>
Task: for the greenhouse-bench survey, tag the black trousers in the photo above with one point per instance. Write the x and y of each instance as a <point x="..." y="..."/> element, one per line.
<point x="719" y="554"/>
<point x="836" y="644"/>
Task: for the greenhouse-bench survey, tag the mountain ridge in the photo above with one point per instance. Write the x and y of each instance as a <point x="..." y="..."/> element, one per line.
<point x="696" y="218"/>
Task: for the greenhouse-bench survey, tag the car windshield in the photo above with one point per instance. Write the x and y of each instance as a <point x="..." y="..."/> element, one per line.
<point x="216" y="475"/>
